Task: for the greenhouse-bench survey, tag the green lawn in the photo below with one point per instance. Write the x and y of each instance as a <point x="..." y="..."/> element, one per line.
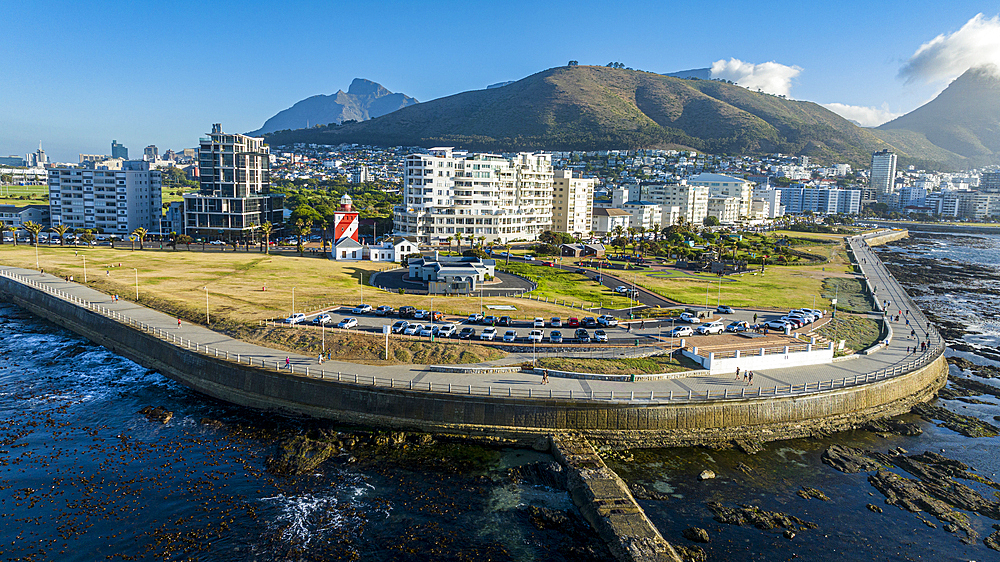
<point x="640" y="366"/>
<point x="21" y="195"/>
<point x="555" y="283"/>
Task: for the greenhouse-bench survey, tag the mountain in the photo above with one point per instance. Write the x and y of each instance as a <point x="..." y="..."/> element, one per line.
<point x="499" y="84"/>
<point x="363" y="100"/>
<point x="596" y="107"/>
<point x="963" y="119"/>
<point x="699" y="73"/>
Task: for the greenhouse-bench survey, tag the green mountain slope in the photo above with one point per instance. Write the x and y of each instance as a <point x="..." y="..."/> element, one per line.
<point x="593" y="107"/>
<point x="963" y="119"/>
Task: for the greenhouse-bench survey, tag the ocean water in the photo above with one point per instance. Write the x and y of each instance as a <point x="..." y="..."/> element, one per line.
<point x="84" y="476"/>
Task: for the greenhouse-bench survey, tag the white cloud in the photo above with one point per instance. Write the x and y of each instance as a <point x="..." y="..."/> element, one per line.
<point x="946" y="57"/>
<point x="864" y="116"/>
<point x="771" y="77"/>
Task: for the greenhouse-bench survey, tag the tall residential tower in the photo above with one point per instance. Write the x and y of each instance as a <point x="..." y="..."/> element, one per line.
<point x="883" y="176"/>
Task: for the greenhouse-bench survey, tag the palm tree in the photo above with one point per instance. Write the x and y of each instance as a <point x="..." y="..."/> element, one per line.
<point x="458" y="240"/>
<point x="482" y="241"/>
<point x="265" y="229"/>
<point x="302" y="228"/>
<point x="5" y="228"/>
<point x="140" y="233"/>
<point x="506" y="249"/>
<point x="33" y="229"/>
<point x="61" y="230"/>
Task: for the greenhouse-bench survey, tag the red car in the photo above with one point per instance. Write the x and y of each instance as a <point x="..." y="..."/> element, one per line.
<point x="548" y="263"/>
<point x="572" y="322"/>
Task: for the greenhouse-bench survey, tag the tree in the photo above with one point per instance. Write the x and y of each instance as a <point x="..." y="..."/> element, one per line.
<point x="4" y="229"/>
<point x="140" y="233"/>
<point x="711" y="220"/>
<point x="33" y="229"/>
<point x="61" y="230"/>
<point x="265" y="229"/>
<point x="186" y="240"/>
<point x="87" y="237"/>
<point x="573" y="63"/>
<point x="301" y="228"/>
<point x="506" y="249"/>
<point x="458" y="240"/>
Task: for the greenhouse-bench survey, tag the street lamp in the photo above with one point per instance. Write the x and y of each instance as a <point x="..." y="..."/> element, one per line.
<point x="84" y="269"/>
<point x="136" y="284"/>
<point x="293" y="301"/>
<point x="207" y="318"/>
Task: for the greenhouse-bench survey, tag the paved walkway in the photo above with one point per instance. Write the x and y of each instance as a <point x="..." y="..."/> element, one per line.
<point x="190" y="335"/>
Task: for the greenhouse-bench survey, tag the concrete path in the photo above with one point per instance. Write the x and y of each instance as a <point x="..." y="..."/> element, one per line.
<point x="886" y="290"/>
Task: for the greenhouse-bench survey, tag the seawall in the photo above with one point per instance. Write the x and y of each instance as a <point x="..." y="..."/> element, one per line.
<point x="617" y="424"/>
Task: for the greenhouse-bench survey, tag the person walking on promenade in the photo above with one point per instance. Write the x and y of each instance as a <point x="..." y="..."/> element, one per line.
<point x="737" y="373"/>
<point x="288" y="363"/>
<point x="545" y="376"/>
<point x="320" y="358"/>
<point x="642" y="324"/>
<point x="178" y="320"/>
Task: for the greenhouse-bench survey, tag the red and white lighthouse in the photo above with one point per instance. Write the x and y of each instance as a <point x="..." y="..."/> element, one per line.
<point x="346" y="221"/>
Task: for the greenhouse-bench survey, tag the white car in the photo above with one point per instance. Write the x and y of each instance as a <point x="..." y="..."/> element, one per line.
<point x="488" y="334"/>
<point x="621" y="289"/>
<point x="426" y="331"/>
<point x="555" y="322"/>
<point x="680" y="331"/>
<point x="413" y="329"/>
<point x="711" y="328"/>
<point x="529" y="257"/>
<point x="509" y="336"/>
<point x="690" y="318"/>
<point x="445" y="331"/>
<point x="349" y="322"/>
<point x="607" y="320"/>
<point x="295" y="318"/>
<point x="362" y="309"/>
<point x="535" y="336"/>
<point x="777" y="325"/>
<point x="384" y="310"/>
<point x="399" y="326"/>
<point x="814" y="312"/>
<point x="422" y="314"/>
<point x="322" y="319"/>
<point x="539" y="323"/>
<point x="601" y="336"/>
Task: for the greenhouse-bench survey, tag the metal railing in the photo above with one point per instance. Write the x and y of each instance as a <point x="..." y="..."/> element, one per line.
<point x="653" y="396"/>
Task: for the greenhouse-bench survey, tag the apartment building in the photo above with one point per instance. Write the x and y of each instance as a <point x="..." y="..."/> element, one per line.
<point x="727" y="209"/>
<point x="606" y="220"/>
<point x="448" y="193"/>
<point x="572" y="203"/>
<point x="111" y="201"/>
<point x="883" y="174"/>
<point x="644" y="214"/>
<point x="769" y="196"/>
<point x="235" y="195"/>
<point x="720" y="185"/>
<point x="691" y="200"/>
<point x="822" y="201"/>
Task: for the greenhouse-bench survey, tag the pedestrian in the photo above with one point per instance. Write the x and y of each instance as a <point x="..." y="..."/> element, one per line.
<point x="178" y="320"/>
<point x="329" y="354"/>
<point x="288" y="363"/>
<point x="545" y="376"/>
<point x="642" y="325"/>
<point x="737" y="373"/>
<point x="320" y="358"/>
<point x="108" y="272"/>
<point x="754" y="317"/>
<point x="750" y="379"/>
<point x="907" y="350"/>
<point x="913" y="333"/>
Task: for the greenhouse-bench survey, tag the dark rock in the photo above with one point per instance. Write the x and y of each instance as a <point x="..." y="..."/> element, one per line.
<point x="642" y="492"/>
<point x="893" y="426"/>
<point x="159" y="414"/>
<point x="299" y="455"/>
<point x="993" y="540"/>
<point x="695" y="534"/>
<point x="545" y="518"/>
<point x="214" y="424"/>
<point x="850" y="459"/>
<point x="789" y="534"/>
<point x="915" y="497"/>
<point x="748" y="446"/>
<point x="706" y="475"/>
<point x="966" y="425"/>
<point x="807" y="492"/>
<point x="973" y="387"/>
<point x="691" y="553"/>
<point x="874" y="508"/>
<point x="548" y="474"/>
<point x="745" y="469"/>
<point x="759" y="518"/>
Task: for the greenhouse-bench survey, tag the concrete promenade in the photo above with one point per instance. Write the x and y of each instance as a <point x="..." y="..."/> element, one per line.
<point x="807" y="378"/>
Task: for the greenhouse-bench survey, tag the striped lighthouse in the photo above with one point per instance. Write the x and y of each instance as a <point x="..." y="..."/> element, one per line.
<point x="346" y="221"/>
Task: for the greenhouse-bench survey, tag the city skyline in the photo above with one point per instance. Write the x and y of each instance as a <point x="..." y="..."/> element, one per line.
<point x="150" y="88"/>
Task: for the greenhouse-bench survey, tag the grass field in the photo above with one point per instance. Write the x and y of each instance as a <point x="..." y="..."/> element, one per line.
<point x="858" y="332"/>
<point x="639" y="366"/>
<point x="555" y="283"/>
<point x="24" y="195"/>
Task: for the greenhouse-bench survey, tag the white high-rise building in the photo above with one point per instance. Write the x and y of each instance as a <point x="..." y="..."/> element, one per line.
<point x="691" y="200"/>
<point x="113" y="201"/>
<point x="572" y="203"/>
<point x="448" y="193"/>
<point x="883" y="176"/>
<point x="720" y="185"/>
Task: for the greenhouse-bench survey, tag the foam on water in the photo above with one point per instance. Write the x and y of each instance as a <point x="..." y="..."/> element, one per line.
<point x="302" y="518"/>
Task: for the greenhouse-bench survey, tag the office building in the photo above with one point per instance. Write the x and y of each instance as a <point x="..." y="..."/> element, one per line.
<point x="883" y="174"/>
<point x="118" y="150"/>
<point x="36" y="159"/>
<point x="448" y="193"/>
<point x="151" y="153"/>
<point x="572" y="203"/>
<point x="235" y="196"/>
<point x="108" y="201"/>
<point x="11" y="161"/>
<point x="989" y="182"/>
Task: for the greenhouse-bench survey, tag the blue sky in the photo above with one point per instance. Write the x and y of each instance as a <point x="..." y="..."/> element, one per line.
<point x="79" y="74"/>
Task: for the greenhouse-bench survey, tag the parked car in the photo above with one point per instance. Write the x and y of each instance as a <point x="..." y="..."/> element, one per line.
<point x="445" y="330"/>
<point x="601" y="336"/>
<point x="529" y="257"/>
<point x="582" y="335"/>
<point x="421" y="314"/>
<point x="384" y="310"/>
<point x="535" y="336"/>
<point x="467" y="333"/>
<point x="504" y="321"/>
<point x="413" y="329"/>
<point x="555" y="322"/>
<point x="399" y="326"/>
<point x="724" y="309"/>
<point x="322" y="319"/>
<point x="488" y="334"/>
<point x="581" y="271"/>
<point x="555" y="336"/>
<point x="426" y="332"/>
<point x="406" y="311"/>
<point x="538" y="323"/>
<point x="510" y="336"/>
<point x="621" y="289"/>
<point x="680" y="332"/>
<point x="548" y="264"/>
<point x="815" y="312"/>
<point x="738" y="326"/>
<point x="295" y="318"/>
<point x="711" y="328"/>
<point x="795" y="321"/>
<point x="589" y="322"/>
<point x="362" y="309"/>
<point x="490" y="320"/>
<point x="607" y="320"/>
<point x="573" y="322"/>
<point x="349" y="322"/>
<point x="689" y="318"/>
<point x="777" y="325"/>
<point x="475" y="318"/>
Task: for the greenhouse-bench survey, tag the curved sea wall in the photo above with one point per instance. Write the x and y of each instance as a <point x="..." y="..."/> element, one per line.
<point x="618" y="423"/>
